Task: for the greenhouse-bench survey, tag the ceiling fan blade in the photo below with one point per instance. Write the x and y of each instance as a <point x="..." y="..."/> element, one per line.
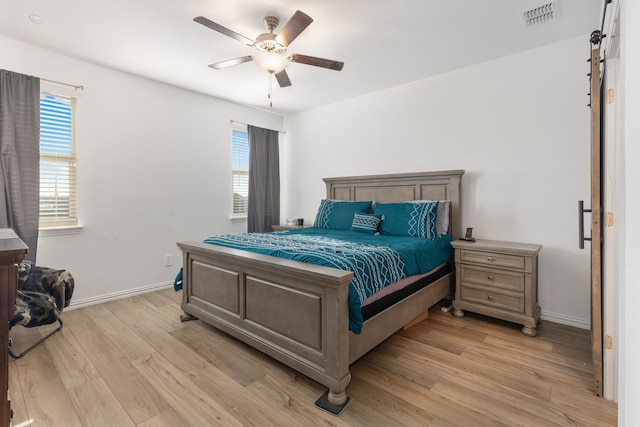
<point x="283" y="79"/>
<point x="317" y="62"/>
<point x="231" y="62"/>
<point x="227" y="32"/>
<point x="292" y="29"/>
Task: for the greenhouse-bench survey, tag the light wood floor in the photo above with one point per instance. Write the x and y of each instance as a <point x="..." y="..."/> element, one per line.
<point x="132" y="363"/>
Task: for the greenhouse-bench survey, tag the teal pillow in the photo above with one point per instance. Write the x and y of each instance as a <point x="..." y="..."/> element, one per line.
<point x="338" y="214"/>
<point x="408" y="219"/>
<point x="365" y="223"/>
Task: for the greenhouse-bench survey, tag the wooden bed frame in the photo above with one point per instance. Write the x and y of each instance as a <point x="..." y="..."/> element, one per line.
<point x="297" y="313"/>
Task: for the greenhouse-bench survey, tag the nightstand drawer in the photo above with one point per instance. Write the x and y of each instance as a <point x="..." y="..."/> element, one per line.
<point x="492" y="277"/>
<point x="486" y="297"/>
<point x="492" y="258"/>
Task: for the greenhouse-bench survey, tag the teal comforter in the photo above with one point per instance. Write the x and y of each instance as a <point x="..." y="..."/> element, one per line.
<point x="376" y="261"/>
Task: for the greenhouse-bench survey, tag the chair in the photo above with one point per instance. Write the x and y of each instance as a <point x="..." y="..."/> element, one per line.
<point x="42" y="294"/>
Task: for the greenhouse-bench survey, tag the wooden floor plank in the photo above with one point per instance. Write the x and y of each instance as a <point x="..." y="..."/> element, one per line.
<point x="420" y="396"/>
<point x="543" y="371"/>
<point x="70" y="359"/>
<point x="296" y="404"/>
<point x="510" y="409"/>
<point x="18" y="403"/>
<point x="579" y="339"/>
<point x="239" y="361"/>
<point x="410" y="369"/>
<point x="393" y="406"/>
<point x="568" y="400"/>
<point x="168" y="418"/>
<point x="165" y="317"/>
<point x="109" y="357"/>
<point x="490" y="370"/>
<point x="48" y="401"/>
<point x="95" y="403"/>
<point x="185" y="397"/>
<point x="550" y="355"/>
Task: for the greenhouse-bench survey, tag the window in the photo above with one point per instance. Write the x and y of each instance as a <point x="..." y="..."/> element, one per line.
<point x="240" y="170"/>
<point x="58" y="203"/>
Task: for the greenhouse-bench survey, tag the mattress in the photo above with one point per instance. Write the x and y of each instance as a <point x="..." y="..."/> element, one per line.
<point x="400" y="290"/>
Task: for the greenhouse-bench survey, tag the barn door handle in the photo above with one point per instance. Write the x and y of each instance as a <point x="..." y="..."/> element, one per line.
<point x="581" y="212"/>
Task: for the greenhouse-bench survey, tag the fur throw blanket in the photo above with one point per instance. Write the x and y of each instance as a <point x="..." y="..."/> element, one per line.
<point x="42" y="294"/>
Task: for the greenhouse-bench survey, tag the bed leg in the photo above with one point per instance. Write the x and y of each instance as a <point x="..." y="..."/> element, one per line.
<point x="332" y="402"/>
<point x="185" y="317"/>
<point x="418" y="319"/>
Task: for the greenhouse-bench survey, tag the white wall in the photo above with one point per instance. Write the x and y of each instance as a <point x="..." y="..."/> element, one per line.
<point x="154" y="168"/>
<point x="519" y="126"/>
<point x="629" y="378"/>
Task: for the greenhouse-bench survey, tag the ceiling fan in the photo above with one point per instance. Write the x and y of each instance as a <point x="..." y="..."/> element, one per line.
<point x="272" y="49"/>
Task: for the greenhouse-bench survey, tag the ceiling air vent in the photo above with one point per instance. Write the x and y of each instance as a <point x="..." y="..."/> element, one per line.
<point x="539" y="14"/>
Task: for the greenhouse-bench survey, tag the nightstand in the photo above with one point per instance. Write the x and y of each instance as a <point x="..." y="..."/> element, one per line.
<point x="498" y="279"/>
<point x="282" y="227"/>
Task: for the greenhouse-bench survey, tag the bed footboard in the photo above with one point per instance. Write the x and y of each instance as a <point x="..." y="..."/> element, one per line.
<point x="296" y="313"/>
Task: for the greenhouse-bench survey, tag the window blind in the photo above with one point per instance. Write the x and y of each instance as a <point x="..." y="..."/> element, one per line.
<point x="240" y="172"/>
<point x="58" y="187"/>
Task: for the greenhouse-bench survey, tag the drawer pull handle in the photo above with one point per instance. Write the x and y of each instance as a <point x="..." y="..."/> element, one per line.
<point x="490" y="277"/>
<point x="490" y="297"/>
<point x="489" y="258"/>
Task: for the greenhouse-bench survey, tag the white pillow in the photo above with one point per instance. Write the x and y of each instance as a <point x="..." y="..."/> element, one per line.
<point x="442" y="220"/>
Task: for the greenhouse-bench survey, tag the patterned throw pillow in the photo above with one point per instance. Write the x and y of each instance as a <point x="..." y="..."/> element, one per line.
<point x="442" y="218"/>
<point x="408" y="219"/>
<point x="365" y="223"/>
<point x="338" y="214"/>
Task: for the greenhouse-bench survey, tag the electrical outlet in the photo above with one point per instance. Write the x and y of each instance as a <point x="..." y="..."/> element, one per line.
<point x="168" y="260"/>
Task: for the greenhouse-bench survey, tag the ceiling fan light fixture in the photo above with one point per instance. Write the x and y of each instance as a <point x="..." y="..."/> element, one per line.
<point x="272" y="63"/>
<point x="267" y="43"/>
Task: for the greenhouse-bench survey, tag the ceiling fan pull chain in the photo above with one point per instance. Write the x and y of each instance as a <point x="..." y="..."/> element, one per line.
<point x="269" y="96"/>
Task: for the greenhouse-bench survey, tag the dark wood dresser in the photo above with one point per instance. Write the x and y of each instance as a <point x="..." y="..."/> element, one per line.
<point x="12" y="251"/>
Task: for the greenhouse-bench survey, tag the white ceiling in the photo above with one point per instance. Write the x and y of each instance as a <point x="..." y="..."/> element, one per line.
<point x="383" y="43"/>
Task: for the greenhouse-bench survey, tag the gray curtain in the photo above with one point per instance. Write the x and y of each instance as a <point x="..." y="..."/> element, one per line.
<point x="20" y="156"/>
<point x="264" y="180"/>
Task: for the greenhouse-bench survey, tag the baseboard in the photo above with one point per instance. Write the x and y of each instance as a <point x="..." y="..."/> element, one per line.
<point x="544" y="315"/>
<point x="118" y="295"/>
<point x="565" y="320"/>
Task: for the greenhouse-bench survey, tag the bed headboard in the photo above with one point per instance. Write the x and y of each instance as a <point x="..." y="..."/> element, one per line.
<point x="441" y="185"/>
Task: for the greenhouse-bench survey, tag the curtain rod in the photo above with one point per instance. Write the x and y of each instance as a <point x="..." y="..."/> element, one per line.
<point x="245" y="124"/>
<point x="76" y="87"/>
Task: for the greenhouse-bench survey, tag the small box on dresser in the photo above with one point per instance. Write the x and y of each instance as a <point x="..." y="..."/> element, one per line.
<point x="498" y="279"/>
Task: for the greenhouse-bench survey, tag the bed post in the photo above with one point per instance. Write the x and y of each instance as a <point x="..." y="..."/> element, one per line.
<point x="336" y="349"/>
